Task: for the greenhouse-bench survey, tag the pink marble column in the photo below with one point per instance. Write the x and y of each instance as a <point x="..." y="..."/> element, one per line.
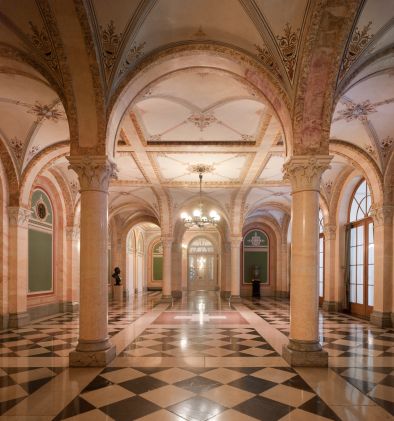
<point x="304" y="349"/>
<point x="383" y="266"/>
<point x="167" y="258"/>
<point x="235" y="267"/>
<point x="72" y="246"/>
<point x="94" y="347"/>
<point x="330" y="302"/>
<point x="18" y="266"/>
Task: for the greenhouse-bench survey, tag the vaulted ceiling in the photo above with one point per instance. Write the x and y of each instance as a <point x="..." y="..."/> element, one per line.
<point x="197" y="115"/>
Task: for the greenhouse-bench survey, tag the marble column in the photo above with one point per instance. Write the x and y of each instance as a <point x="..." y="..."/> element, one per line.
<point x="72" y="245"/>
<point x="304" y="349"/>
<point x="18" y="266"/>
<point x="94" y="347"/>
<point x="235" y="267"/>
<point x="167" y="258"/>
<point x="283" y="274"/>
<point x="383" y="266"/>
<point x="330" y="302"/>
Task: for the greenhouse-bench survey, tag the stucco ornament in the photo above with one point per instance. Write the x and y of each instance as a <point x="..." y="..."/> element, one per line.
<point x="304" y="172"/>
<point x="94" y="172"/>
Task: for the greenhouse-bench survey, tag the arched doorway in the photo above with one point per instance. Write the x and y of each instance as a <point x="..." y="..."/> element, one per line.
<point x="202" y="265"/>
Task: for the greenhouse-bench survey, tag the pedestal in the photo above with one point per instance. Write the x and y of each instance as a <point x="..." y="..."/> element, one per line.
<point x="117" y="292"/>
<point x="304" y="354"/>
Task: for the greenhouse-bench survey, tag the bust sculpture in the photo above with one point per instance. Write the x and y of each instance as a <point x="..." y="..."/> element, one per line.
<point x="116" y="276"/>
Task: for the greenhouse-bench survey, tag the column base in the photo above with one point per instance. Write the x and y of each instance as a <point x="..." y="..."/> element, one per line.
<point x="166" y="299"/>
<point x="92" y="354"/>
<point x="304" y="354"/>
<point x="18" y="319"/>
<point x="331" y="306"/>
<point x="70" y="306"/>
<point x="235" y="299"/>
<point x="177" y="293"/>
<point x="381" y="319"/>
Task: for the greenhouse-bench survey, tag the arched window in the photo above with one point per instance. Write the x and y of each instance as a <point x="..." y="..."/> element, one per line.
<point x="361" y="256"/>
<point x="256" y="257"/>
<point x="321" y="257"/>
<point x="40" y="244"/>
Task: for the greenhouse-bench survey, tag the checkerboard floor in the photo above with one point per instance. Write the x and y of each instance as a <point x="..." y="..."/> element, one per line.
<point x="124" y="394"/>
<point x="344" y="336"/>
<point x="201" y="341"/>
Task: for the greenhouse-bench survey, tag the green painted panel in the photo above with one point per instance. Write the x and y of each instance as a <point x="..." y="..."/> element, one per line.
<point x="256" y="239"/>
<point x="40" y="261"/>
<point x="157" y="268"/>
<point x="259" y="258"/>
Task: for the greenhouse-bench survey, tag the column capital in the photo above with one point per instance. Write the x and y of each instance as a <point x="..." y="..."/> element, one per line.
<point x="72" y="233"/>
<point x="166" y="240"/>
<point x="330" y="231"/>
<point x="304" y="171"/>
<point x="235" y="240"/>
<point x="18" y="216"/>
<point x="382" y="215"/>
<point x="94" y="172"/>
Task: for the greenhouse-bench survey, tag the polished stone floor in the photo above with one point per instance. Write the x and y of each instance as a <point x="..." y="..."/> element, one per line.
<point x="198" y="358"/>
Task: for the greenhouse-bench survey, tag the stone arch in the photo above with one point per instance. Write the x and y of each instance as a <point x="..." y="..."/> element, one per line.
<point x="205" y="55"/>
<point x="329" y="27"/>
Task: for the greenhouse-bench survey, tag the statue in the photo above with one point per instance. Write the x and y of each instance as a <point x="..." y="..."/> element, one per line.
<point x="116" y="276"/>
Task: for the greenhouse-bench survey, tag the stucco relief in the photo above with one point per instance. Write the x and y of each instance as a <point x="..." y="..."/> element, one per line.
<point x="94" y="172"/>
<point x="304" y="172"/>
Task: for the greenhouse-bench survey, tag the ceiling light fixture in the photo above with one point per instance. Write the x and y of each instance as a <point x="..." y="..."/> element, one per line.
<point x="198" y="219"/>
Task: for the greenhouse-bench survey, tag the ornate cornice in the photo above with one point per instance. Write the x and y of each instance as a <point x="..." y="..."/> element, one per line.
<point x="304" y="171"/>
<point x="18" y="216"/>
<point x="94" y="172"/>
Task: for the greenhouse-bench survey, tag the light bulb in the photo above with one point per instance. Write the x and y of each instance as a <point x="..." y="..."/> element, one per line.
<point x="197" y="212"/>
<point x="213" y="213"/>
<point x="184" y="215"/>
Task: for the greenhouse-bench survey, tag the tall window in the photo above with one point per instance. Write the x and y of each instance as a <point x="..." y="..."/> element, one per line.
<point x="361" y="244"/>
<point x="321" y="257"/>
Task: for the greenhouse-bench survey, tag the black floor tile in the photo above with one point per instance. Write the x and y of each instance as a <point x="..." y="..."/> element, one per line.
<point x="197" y="408"/>
<point x="142" y="384"/>
<point x="318" y="407"/>
<point x="263" y="408"/>
<point x="252" y="384"/>
<point x="96" y="383"/>
<point x="298" y="383"/>
<point x="34" y="385"/>
<point x="75" y="407"/>
<point x="130" y="409"/>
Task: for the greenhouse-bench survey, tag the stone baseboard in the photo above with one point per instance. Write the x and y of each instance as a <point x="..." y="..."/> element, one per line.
<point x="70" y="307"/>
<point x="166" y="299"/>
<point x="177" y="293"/>
<point x="16" y="320"/>
<point x="92" y="358"/>
<point x="235" y="299"/>
<point x="332" y="306"/>
<point x="4" y="321"/>
<point x="381" y="319"/>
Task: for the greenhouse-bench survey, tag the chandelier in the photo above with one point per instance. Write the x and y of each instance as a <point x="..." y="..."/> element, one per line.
<point x="198" y="217"/>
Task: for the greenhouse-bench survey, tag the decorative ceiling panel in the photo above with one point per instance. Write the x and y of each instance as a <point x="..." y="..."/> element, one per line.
<point x="225" y="167"/>
<point x="127" y="168"/>
<point x="273" y="169"/>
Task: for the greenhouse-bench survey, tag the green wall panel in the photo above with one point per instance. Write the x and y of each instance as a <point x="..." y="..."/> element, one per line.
<point x="259" y="258"/>
<point x="157" y="268"/>
<point x="40" y="261"/>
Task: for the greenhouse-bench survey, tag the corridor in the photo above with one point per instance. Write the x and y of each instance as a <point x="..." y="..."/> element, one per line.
<point x="197" y="358"/>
